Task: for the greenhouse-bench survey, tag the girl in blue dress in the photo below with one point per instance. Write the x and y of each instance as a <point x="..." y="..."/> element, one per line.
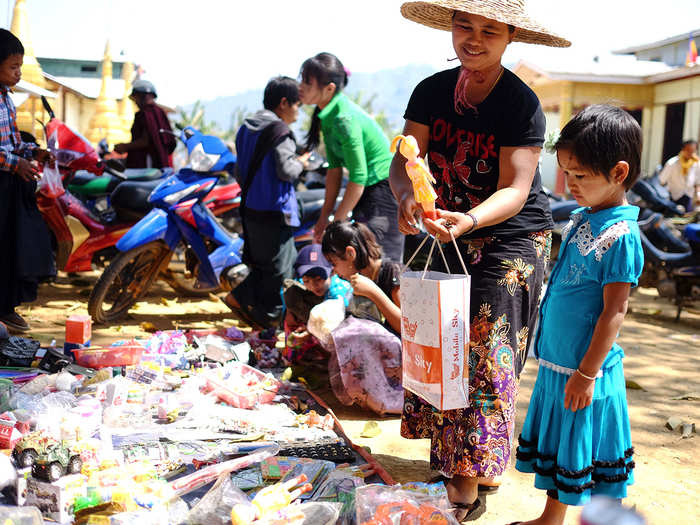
<point x="576" y="436"/>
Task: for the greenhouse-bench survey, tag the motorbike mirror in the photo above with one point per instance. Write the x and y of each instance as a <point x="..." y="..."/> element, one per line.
<point x="27" y="137"/>
<point x="47" y="107"/>
<point x="188" y="133"/>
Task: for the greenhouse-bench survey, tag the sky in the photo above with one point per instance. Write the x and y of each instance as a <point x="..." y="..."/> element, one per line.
<point x="205" y="49"/>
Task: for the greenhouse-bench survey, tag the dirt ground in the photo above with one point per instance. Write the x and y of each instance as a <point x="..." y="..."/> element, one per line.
<point x="663" y="362"/>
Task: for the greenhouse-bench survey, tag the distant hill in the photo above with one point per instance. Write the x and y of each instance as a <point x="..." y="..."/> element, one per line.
<point x="390" y="87"/>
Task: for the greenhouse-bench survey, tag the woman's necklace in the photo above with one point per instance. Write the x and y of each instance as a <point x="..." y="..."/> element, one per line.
<point x="493" y="85"/>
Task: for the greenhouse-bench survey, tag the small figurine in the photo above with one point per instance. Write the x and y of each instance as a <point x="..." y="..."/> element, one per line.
<point x="270" y="500"/>
<point x="418" y="172"/>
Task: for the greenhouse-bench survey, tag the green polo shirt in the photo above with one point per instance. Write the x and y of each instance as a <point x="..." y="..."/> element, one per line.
<point x="354" y="140"/>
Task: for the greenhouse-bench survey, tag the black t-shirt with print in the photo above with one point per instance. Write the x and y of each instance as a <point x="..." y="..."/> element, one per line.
<point x="463" y="149"/>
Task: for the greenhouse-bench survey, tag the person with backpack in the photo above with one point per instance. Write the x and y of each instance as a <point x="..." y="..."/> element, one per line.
<point x="267" y="168"/>
<point x="149" y="147"/>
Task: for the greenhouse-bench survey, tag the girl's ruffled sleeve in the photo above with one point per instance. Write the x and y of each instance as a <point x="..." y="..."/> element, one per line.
<point x="624" y="259"/>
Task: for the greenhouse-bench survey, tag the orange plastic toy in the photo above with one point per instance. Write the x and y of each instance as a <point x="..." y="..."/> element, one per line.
<point x="418" y="172"/>
<point x="407" y="514"/>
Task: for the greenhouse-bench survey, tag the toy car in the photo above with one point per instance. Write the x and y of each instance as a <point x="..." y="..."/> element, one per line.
<point x="57" y="461"/>
<point x="28" y="448"/>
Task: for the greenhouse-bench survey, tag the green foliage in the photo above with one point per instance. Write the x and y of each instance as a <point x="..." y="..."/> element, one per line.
<point x="196" y="118"/>
<point x="367" y="103"/>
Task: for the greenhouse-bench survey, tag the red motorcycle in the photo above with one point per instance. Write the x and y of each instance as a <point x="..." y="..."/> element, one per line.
<point x="84" y="239"/>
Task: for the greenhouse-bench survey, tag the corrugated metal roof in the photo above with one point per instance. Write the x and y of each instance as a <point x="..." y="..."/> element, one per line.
<point x="660" y="43"/>
<point x="610" y="68"/>
<point x="90" y="87"/>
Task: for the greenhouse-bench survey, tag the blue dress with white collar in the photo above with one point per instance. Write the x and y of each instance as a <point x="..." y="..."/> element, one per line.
<point x="589" y="451"/>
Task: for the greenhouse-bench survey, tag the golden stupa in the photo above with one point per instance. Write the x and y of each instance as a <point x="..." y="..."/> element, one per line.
<point x="105" y="123"/>
<point x="31" y="109"/>
<point x="126" y="106"/>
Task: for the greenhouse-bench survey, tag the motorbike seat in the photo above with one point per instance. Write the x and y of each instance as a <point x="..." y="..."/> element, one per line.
<point x="82" y="177"/>
<point x="130" y="199"/>
<point x="671" y="260"/>
<point x="138" y="174"/>
<point x="692" y="232"/>
<point x="310" y="204"/>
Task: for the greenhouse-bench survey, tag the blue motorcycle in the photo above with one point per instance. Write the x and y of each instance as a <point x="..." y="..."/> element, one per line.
<point x="179" y="219"/>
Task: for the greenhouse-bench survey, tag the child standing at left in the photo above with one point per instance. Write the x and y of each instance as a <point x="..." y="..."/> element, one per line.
<point x="25" y="256"/>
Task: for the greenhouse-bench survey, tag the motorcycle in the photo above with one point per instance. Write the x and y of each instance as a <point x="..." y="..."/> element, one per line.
<point x="671" y="259"/>
<point x="84" y="238"/>
<point x="674" y="275"/>
<point x="179" y="219"/>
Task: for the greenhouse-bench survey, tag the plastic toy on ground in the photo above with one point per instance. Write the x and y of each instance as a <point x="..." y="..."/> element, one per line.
<point x="418" y="172"/>
<point x="56" y="461"/>
<point x="270" y="500"/>
<point x="28" y="448"/>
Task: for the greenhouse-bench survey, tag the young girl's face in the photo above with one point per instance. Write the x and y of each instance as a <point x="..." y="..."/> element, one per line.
<point x="317" y="284"/>
<point x="343" y="267"/>
<point x="479" y="42"/>
<point x="593" y="189"/>
<point x="310" y="92"/>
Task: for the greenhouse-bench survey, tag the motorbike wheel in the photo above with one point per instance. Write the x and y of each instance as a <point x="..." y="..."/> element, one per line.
<point x="183" y="280"/>
<point x="128" y="277"/>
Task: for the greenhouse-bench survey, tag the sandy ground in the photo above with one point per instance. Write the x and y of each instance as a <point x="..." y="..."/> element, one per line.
<point x="663" y="358"/>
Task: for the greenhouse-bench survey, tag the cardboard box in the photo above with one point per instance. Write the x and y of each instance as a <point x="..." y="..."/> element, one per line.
<point x="54" y="500"/>
<point x="78" y="329"/>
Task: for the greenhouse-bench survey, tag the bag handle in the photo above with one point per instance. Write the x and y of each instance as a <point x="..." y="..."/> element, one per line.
<point x="430" y="254"/>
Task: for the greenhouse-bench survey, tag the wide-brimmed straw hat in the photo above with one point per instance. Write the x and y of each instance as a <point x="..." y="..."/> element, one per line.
<point x="438" y="14"/>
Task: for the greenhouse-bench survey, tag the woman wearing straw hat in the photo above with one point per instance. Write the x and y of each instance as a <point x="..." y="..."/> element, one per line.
<point x="482" y="129"/>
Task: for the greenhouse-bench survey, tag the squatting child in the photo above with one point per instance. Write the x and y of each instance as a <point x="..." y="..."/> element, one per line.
<point x="576" y="436"/>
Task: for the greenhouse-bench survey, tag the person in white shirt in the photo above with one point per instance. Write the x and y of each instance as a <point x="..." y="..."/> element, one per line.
<point x="681" y="174"/>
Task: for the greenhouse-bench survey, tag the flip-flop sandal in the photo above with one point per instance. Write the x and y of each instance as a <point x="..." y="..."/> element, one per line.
<point x="488" y="489"/>
<point x="474" y="510"/>
<point x="483" y="489"/>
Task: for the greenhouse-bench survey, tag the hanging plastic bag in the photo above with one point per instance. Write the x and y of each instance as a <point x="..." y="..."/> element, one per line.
<point x="50" y="183"/>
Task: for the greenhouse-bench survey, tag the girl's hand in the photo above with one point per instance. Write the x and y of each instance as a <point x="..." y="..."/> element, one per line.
<point x="362" y="285"/>
<point x="578" y="392"/>
<point x="320" y="228"/>
<point x="409" y="209"/>
<point x="458" y="223"/>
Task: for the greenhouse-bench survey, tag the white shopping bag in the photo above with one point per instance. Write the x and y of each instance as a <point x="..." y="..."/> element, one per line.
<point x="435" y="336"/>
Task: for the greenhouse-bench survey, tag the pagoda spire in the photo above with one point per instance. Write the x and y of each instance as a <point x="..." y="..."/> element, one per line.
<point x="31" y="110"/>
<point x="105" y="123"/>
<point x="126" y="106"/>
<point x="31" y="70"/>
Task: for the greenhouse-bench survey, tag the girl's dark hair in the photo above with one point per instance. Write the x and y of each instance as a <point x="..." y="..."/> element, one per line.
<point x="9" y="45"/>
<point x="341" y="234"/>
<point x="279" y="88"/>
<point x="602" y="135"/>
<point x="325" y="68"/>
